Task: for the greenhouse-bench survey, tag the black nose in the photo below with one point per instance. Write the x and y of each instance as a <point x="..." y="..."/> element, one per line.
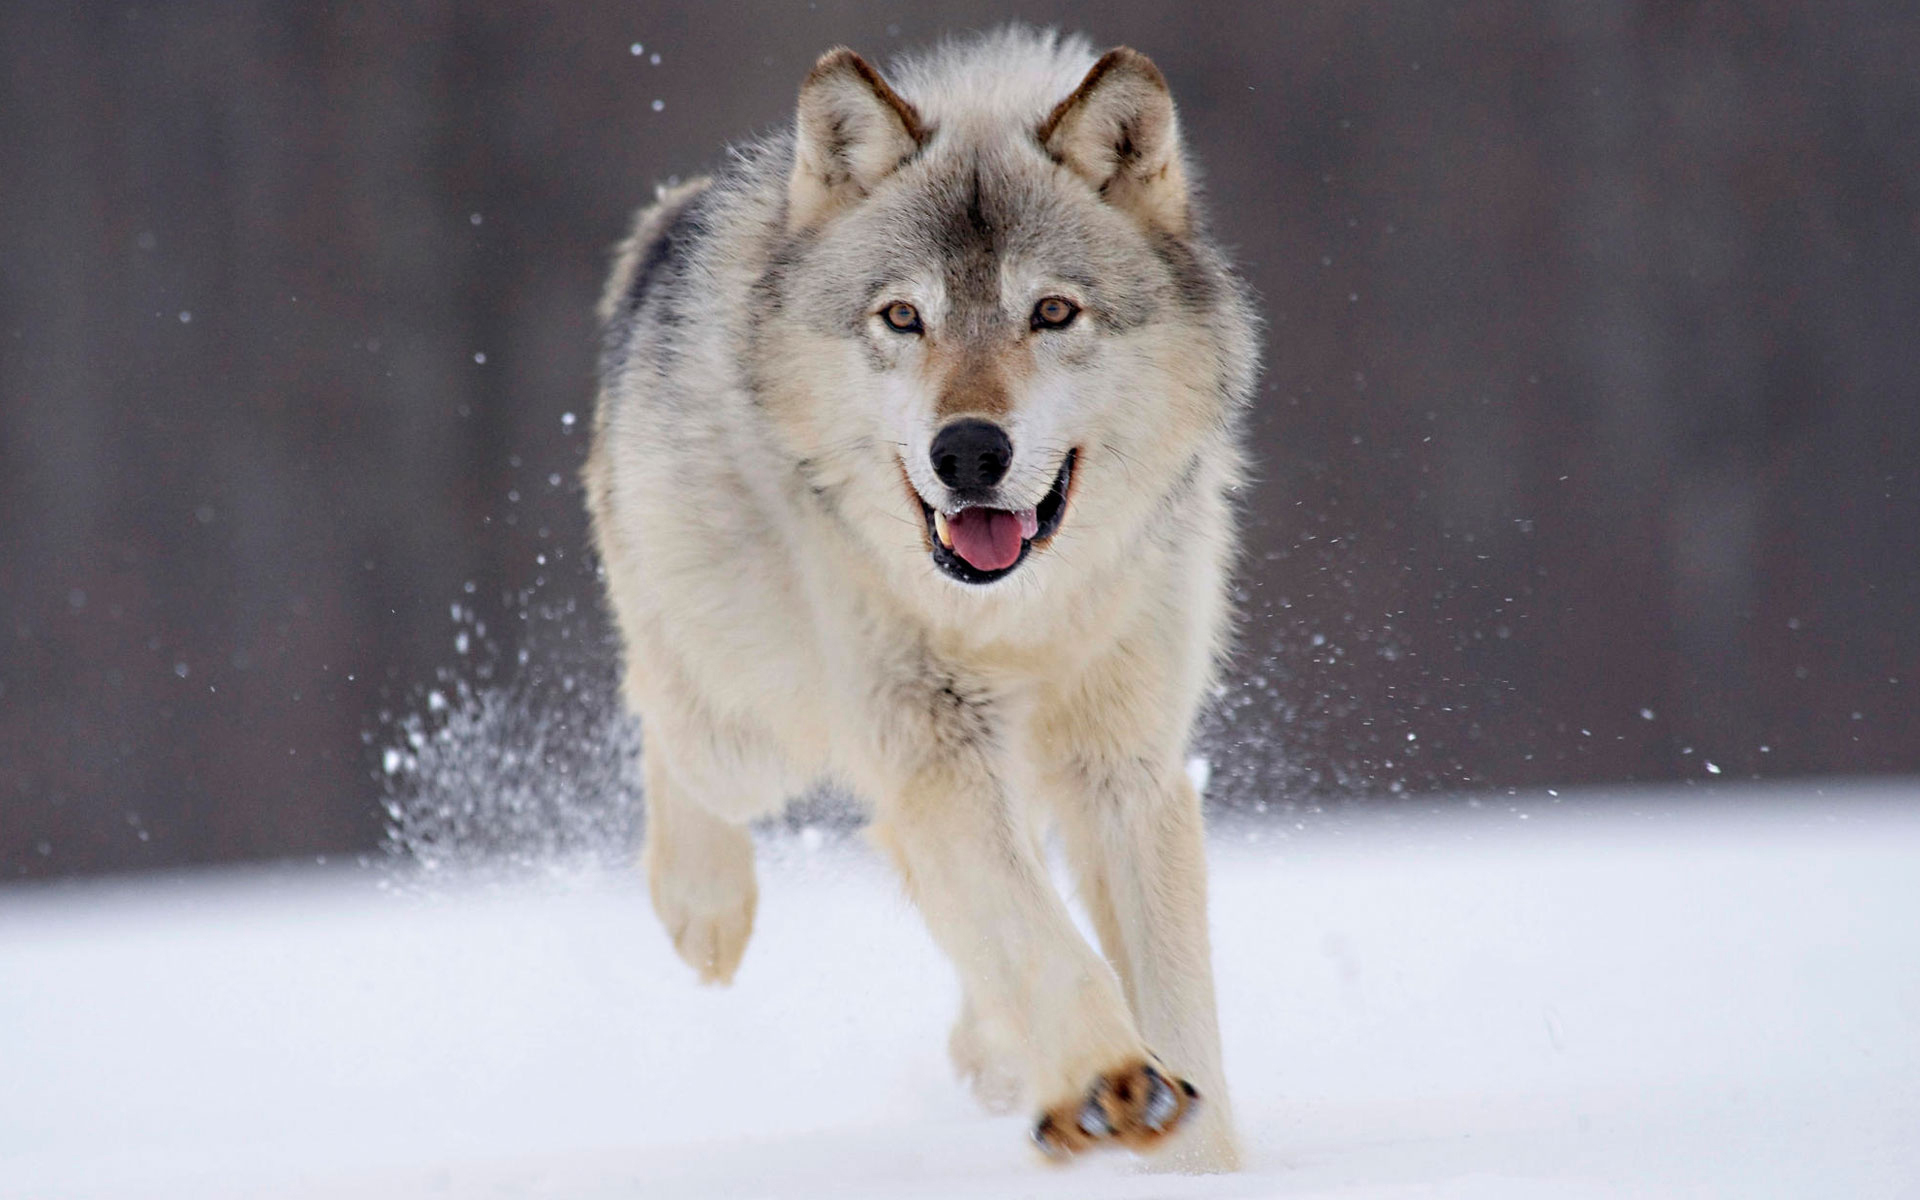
<point x="971" y="454"/>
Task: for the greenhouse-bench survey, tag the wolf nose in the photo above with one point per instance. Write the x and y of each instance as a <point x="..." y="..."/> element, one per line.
<point x="971" y="454"/>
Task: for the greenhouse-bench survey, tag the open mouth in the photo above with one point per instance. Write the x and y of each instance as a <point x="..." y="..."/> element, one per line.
<point x="977" y="544"/>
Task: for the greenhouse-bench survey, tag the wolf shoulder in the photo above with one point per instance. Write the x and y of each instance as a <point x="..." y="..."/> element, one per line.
<point x="678" y="301"/>
<point x="664" y="233"/>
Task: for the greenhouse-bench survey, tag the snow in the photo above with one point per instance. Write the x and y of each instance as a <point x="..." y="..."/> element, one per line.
<point x="1637" y="995"/>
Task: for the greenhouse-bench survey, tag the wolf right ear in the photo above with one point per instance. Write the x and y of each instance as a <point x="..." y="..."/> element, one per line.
<point x="852" y="131"/>
<point x="1118" y="132"/>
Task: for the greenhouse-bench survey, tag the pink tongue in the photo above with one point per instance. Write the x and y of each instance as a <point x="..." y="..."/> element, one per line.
<point x="986" y="537"/>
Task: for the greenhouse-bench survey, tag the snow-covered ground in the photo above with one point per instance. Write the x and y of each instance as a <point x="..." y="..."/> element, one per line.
<point x="1639" y="995"/>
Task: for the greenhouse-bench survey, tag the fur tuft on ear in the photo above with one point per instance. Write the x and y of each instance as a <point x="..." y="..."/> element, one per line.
<point x="853" y="130"/>
<point x="1119" y="133"/>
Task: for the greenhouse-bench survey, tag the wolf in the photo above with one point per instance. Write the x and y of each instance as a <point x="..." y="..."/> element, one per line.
<point x="913" y="471"/>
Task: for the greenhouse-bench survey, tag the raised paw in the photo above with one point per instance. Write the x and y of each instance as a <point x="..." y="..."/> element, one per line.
<point x="704" y="892"/>
<point x="711" y="942"/>
<point x="1135" y="1106"/>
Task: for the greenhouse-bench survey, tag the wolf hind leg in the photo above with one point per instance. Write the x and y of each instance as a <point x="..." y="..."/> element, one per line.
<point x="700" y="875"/>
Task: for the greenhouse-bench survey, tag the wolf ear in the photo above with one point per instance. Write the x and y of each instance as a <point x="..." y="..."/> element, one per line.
<point x="1118" y="132"/>
<point x="852" y="132"/>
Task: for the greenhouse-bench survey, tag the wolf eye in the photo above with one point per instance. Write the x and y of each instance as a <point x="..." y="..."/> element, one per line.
<point x="902" y="317"/>
<point x="1055" y="312"/>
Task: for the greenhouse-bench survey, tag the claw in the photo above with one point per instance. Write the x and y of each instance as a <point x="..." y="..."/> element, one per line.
<point x="1048" y="1139"/>
<point x="1161" y="1104"/>
<point x="1093" y="1122"/>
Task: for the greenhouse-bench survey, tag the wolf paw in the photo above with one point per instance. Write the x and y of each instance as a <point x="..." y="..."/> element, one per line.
<point x="985" y="1070"/>
<point x="1134" y="1106"/>
<point x="712" y="943"/>
<point x="707" y="904"/>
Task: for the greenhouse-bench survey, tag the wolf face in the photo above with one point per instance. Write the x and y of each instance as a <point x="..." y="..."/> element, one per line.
<point x="1005" y="304"/>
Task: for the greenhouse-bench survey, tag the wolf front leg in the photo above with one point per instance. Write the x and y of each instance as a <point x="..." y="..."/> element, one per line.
<point x="699" y="873"/>
<point x="1135" y="840"/>
<point x="983" y="890"/>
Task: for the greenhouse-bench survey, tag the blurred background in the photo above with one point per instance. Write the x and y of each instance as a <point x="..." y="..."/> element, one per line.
<point x="1589" y="444"/>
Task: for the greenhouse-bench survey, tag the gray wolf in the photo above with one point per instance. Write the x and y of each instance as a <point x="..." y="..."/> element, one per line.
<point x="911" y="471"/>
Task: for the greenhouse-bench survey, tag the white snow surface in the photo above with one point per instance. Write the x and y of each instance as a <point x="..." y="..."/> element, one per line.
<point x="1642" y="994"/>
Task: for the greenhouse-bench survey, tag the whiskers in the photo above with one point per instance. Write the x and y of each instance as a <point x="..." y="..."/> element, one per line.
<point x="1033" y="479"/>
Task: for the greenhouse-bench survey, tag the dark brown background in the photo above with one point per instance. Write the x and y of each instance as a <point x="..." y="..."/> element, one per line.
<point x="1593" y="382"/>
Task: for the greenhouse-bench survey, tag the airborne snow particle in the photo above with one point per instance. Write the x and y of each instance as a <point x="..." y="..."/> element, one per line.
<point x="1199" y="773"/>
<point x="658" y="105"/>
<point x="1713" y="768"/>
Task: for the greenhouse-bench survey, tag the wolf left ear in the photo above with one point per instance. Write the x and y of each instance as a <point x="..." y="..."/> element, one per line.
<point x="1118" y="132"/>
<point x="852" y="131"/>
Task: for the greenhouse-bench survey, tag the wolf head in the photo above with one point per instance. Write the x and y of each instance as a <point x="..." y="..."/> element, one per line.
<point x="992" y="328"/>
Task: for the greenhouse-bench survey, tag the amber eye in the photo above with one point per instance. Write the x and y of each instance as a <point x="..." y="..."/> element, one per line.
<point x="902" y="317"/>
<point x="1055" y="312"/>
